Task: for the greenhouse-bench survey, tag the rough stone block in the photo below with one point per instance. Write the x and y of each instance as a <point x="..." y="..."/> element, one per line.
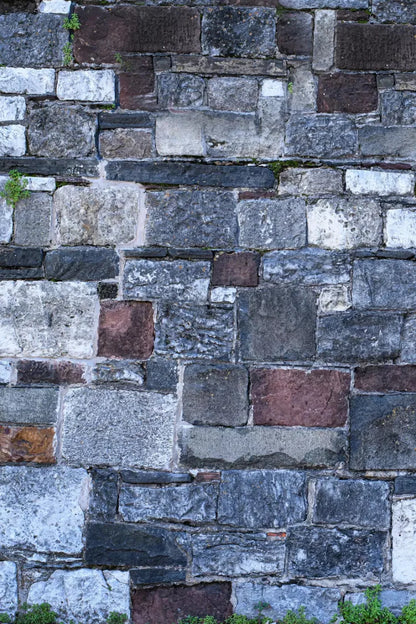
<point x="385" y="378"/>
<point x="319" y="552"/>
<point x="393" y="599"/>
<point x="171" y="503"/>
<point x="382" y="432"/>
<point x="302" y="97"/>
<point x="235" y="94"/>
<point x="27" y="80"/>
<point x="180" y="134"/>
<point x="367" y="182"/>
<point x="359" y="336"/>
<point x="12" y="140"/>
<point x="306" y="266"/>
<point x="32" y="220"/>
<point x="405" y="485"/>
<point x="236" y="269"/>
<point x="87" y="86"/>
<point x="107" y="290"/>
<point x="14" y="257"/>
<point x="223" y="294"/>
<point x="61" y="7"/>
<point x="194" y="331"/>
<point x="400" y="228"/>
<point x="53" y="166"/>
<point x="157" y="576"/>
<point x="347" y="93"/>
<point x="125" y="373"/>
<point x="126" y="143"/>
<point x="272" y="223"/>
<point x="118" y="427"/>
<point x="5" y="372"/>
<point x="180" y="91"/>
<point x="6" y="222"/>
<point x="215" y="394"/>
<point x="35" y="40"/>
<point x="161" y="375"/>
<point x="178" y="280"/>
<point x="277" y="324"/>
<point x="104" y="495"/>
<point x="228" y="554"/>
<point x="153" y="477"/>
<point x="81" y="264"/>
<point x="26" y="444"/>
<point x="324" y="39"/>
<point x="191" y="219"/>
<point x="398" y="108"/>
<point x="261" y="447"/>
<point x="18" y="6"/>
<point x="272" y="88"/>
<point x="126" y="329"/>
<point x="321" y="136"/>
<point x="32" y="498"/>
<point x="28" y="405"/>
<point x="207" y="65"/>
<point x="408" y="353"/>
<point x="232" y="31"/>
<point x="12" y="108"/>
<point x="41" y="372"/>
<point x="384" y="284"/>
<point x="8" y="588"/>
<point x="338" y="223"/>
<point x="352" y="502"/>
<point x="137" y="83"/>
<point x="316" y="398"/>
<point x="294" y="33"/>
<point x="235" y="135"/>
<point x="405" y="82"/>
<point x="382" y="141"/>
<point x="404" y="548"/>
<point x="394" y="11"/>
<point x="96" y="216"/>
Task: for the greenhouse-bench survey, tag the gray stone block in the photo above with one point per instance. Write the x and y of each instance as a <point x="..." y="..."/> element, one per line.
<point x="309" y="267"/>
<point x="233" y="94"/>
<point x="272" y="223"/>
<point x="394" y="11"/>
<point x="321" y="136"/>
<point x="122" y="372"/>
<point x="157" y="576"/>
<point x="161" y="375"/>
<point x="393" y="599"/>
<point x="405" y="485"/>
<point x="8" y="588"/>
<point x="104" y="495"/>
<point x="408" y="352"/>
<point x="32" y="220"/>
<point x="262" y="498"/>
<point x="126" y="143"/>
<point x="153" y="477"/>
<point x="113" y="120"/>
<point x="35" y="40"/>
<point x="6" y="222"/>
<point x="383" y="436"/>
<point x="180" y="91"/>
<point x="81" y="264"/>
<point x="76" y="167"/>
<point x="228" y="66"/>
<point x="393" y="141"/>
<point x="384" y="284"/>
<point x="325" y="4"/>
<point x="29" y="406"/>
<point x="277" y="323"/>
<point x="215" y="394"/>
<point x="397" y="108"/>
<point x="352" y="502"/>
<point x="296" y="181"/>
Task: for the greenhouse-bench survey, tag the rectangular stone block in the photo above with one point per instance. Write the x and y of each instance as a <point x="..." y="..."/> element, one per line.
<point x="180" y="134"/>
<point x="126" y="143"/>
<point x="27" y="80"/>
<point x="272" y="223"/>
<point x="87" y="86"/>
<point x="400" y="228"/>
<point x="324" y="40"/>
<point x="112" y="120"/>
<point x="104" y="495"/>
<point x="8" y="588"/>
<point x="61" y="7"/>
<point x="408" y="350"/>
<point x="6" y="222"/>
<point x="29" y="405"/>
<point x="137" y="83"/>
<point x="398" y="108"/>
<point x="152" y="477"/>
<point x="261" y="447"/>
<point x="405" y="485"/>
<point x="51" y="166"/>
<point x="126" y="329"/>
<point x="405" y="82"/>
<point x="81" y="264"/>
<point x="161" y="375"/>
<point x="233" y="94"/>
<point x="382" y="141"/>
<point x="321" y="136"/>
<point x="34" y="40"/>
<point x="5" y="371"/>
<point x="26" y="444"/>
<point x="157" y="576"/>
<point x="14" y="257"/>
<point x="44" y="372"/>
<point x="385" y="378"/>
<point x="125" y="373"/>
<point x="403" y="533"/>
<point x="236" y="135"/>
<point x="32" y="220"/>
<point x="383" y="436"/>
<point x="294" y="181"/>
<point x="384" y="284"/>
<point x="347" y="93"/>
<point x="12" y="140"/>
<point x="366" y="182"/>
<point x="310" y="267"/>
<point x="180" y="91"/>
<point x="236" y="269"/>
<point x="294" y="33"/>
<point x="12" y="108"/>
<point x="209" y="65"/>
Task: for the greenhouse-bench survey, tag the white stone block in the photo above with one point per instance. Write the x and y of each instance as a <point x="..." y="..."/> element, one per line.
<point x="404" y="541"/>
<point x="180" y="134"/>
<point x="5" y="375"/>
<point x="87" y="86"/>
<point x="84" y="595"/>
<point x="303" y="96"/>
<point x="12" y="108"/>
<point x="6" y="222"/>
<point x="273" y="88"/>
<point x="27" y="80"/>
<point x="41" y="184"/>
<point x="223" y="294"/>
<point x="323" y="40"/>
<point x="8" y="588"/>
<point x="12" y="141"/>
<point x="61" y="7"/>
<point x="367" y="182"/>
<point x="400" y="228"/>
<point x="334" y="298"/>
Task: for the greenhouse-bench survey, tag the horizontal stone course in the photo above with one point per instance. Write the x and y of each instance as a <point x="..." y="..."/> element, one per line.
<point x="81" y="264"/>
<point x="306" y="266"/>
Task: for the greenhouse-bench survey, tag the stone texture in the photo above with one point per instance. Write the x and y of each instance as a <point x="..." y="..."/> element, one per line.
<point x="321" y="136"/>
<point x="384" y="284"/>
<point x="236" y="269"/>
<point x="12" y="140"/>
<point x="60" y="130"/>
<point x="316" y="398"/>
<point x="405" y="82"/>
<point x="272" y="223"/>
<point x="223" y="294"/>
<point x="5" y="371"/>
<point x="324" y="39"/>
<point x="157" y="576"/>
<point x="35" y="40"/>
<point x="45" y="508"/>
<point x="404" y="485"/>
<point x="180" y="134"/>
<point x="6" y="222"/>
<point x="294" y="33"/>
<point x="154" y="477"/>
<point x="409" y="340"/>
<point x="359" y="336"/>
<point x="41" y="372"/>
<point x="382" y="432"/>
<point x="393" y="599"/>
<point x="180" y="91"/>
<point x="306" y="266"/>
<point x="403" y="533"/>
<point x="28" y="405"/>
<point x="194" y="331"/>
<point x="215" y="395"/>
<point x="96" y="216"/>
<point x="126" y="329"/>
<point x="17" y="6"/>
<point x="228" y="66"/>
<point x="26" y="444"/>
<point x="385" y="378"/>
<point x="398" y="108"/>
<point x="178" y="280"/>
<point x="83" y="594"/>
<point x="273" y="88"/>
<point x="12" y="108"/>
<point x="261" y="447"/>
<point x="230" y="554"/>
<point x="137" y="83"/>
<point x="393" y="141"/>
<point x="32" y="220"/>
<point x="8" y="588"/>
<point x="339" y="223"/>
<point x="125" y="373"/>
<point x="27" y="80"/>
<point x="399" y="230"/>
<point x="118" y="427"/>
<point x="185" y="503"/>
<point x="347" y="93"/>
<point x="231" y="31"/>
<point x="236" y="94"/>
<point x="319" y="552"/>
<point x="302" y="93"/>
<point x="48" y="319"/>
<point x="20" y="257"/>
<point x="352" y="502"/>
<point x="81" y="264"/>
<point x="277" y="324"/>
<point x="161" y="375"/>
<point x="55" y="6"/>
<point x="52" y="166"/>
<point x="191" y="219"/>
<point x="107" y="290"/>
<point x="365" y="182"/>
<point x="394" y="11"/>
<point x="126" y="143"/>
<point x="87" y="86"/>
<point x="104" y="495"/>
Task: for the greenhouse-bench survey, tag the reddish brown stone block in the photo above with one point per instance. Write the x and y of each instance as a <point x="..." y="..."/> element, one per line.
<point x="318" y="398"/>
<point x="105" y="32"/>
<point x="165" y="605"/>
<point x="236" y="269"/>
<point x="386" y="378"/>
<point x="36" y="372"/>
<point x="208" y="476"/>
<point x="347" y="93"/>
<point x="137" y="84"/>
<point x="360" y="15"/>
<point x="126" y="329"/>
<point x="26" y="444"/>
<point x="294" y="33"/>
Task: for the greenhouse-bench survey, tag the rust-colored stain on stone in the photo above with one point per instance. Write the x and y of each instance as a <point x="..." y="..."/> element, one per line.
<point x="26" y="444"/>
<point x="126" y="329"/>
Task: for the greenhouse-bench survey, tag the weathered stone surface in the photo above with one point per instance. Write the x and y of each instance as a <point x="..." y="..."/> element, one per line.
<point x="124" y="373"/>
<point x="20" y="257"/>
<point x="180" y="134"/>
<point x="194" y="331"/>
<point x="321" y="136"/>
<point x="61" y="7"/>
<point x="107" y="290"/>
<point x="82" y="264"/>
<point x="191" y="219"/>
<point x="178" y="280"/>
<point x="17" y="6"/>
<point x="180" y="91"/>
<point x="104" y="495"/>
<point x="8" y="588"/>
<point x="185" y="503"/>
<point x="272" y="223"/>
<point x="236" y="94"/>
<point x="273" y="88"/>
<point x="365" y="182"/>
<point x="153" y="477"/>
<point x="59" y="130"/>
<point x="400" y="228"/>
<point x="306" y="266"/>
<point x="45" y="508"/>
<point x="42" y="372"/>
<point x="339" y="223"/>
<point x="129" y="545"/>
<point x="118" y="427"/>
<point x="52" y="166"/>
<point x="225" y="66"/>
<point x="26" y="444"/>
<point x="408" y="353"/>
<point x="316" y="398"/>
<point x="6" y="222"/>
<point x="319" y="602"/>
<point x="137" y="83"/>
<point x="48" y="319"/>
<point x="215" y="394"/>
<point x="126" y="143"/>
<point x="161" y="375"/>
<point x="398" y="108"/>
<point x="405" y="82"/>
<point x="393" y="141"/>
<point x="318" y="552"/>
<point x="359" y="336"/>
<point x="383" y="435"/>
<point x="394" y="11"/>
<point x="231" y="31"/>
<point x="86" y="86"/>
<point x="126" y="329"/>
<point x="302" y="93"/>
<point x="261" y="447"/>
<point x="294" y="33"/>
<point x="393" y="599"/>
<point x="230" y="135"/>
<point x="112" y="120"/>
<point x="403" y="533"/>
<point x="324" y="39"/>
<point x="96" y="216"/>
<point x="32" y="220"/>
<point x="35" y="40"/>
<point x="28" y="405"/>
<point x="405" y="485"/>
<point x="5" y="371"/>
<point x="347" y="93"/>
<point x="12" y="108"/>
<point x="27" y="80"/>
<point x="157" y="576"/>
<point x="352" y="502"/>
<point x="384" y="284"/>
<point x="229" y="554"/>
<point x="277" y="323"/>
<point x="236" y="269"/>
<point x="386" y="378"/>
<point x="12" y="140"/>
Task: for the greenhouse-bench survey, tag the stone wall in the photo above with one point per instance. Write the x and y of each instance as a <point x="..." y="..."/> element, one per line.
<point x="208" y="306"/>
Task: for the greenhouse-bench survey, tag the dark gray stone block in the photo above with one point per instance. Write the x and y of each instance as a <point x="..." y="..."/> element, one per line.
<point x="104" y="495"/>
<point x="161" y="375"/>
<point x="398" y="109"/>
<point x="21" y="274"/>
<point x="272" y="223"/>
<point x="180" y="91"/>
<point x="154" y="477"/>
<point x="107" y="291"/>
<point x="395" y="141"/>
<point x="32" y="40"/>
<point x="110" y="121"/>
<point x="157" y="576"/>
<point x="121" y="372"/>
<point x="309" y="267"/>
<point x="29" y="406"/>
<point x="52" y="166"/>
<point x="322" y="136"/>
<point x="17" y="257"/>
<point x="384" y="284"/>
<point x="405" y="485"/>
<point x="81" y="263"/>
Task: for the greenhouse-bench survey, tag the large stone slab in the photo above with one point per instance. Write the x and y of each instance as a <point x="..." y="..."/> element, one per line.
<point x="35" y="40"/>
<point x="118" y="427"/>
<point x="384" y="284"/>
<point x="28" y="405"/>
<point x="81" y="264"/>
<point x="394" y="141"/>
<point x="321" y="136"/>
<point x="47" y="319"/>
<point x="272" y="223"/>
<point x="8" y="588"/>
<point x="45" y="508"/>
<point x="310" y="267"/>
<point x="404" y="545"/>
